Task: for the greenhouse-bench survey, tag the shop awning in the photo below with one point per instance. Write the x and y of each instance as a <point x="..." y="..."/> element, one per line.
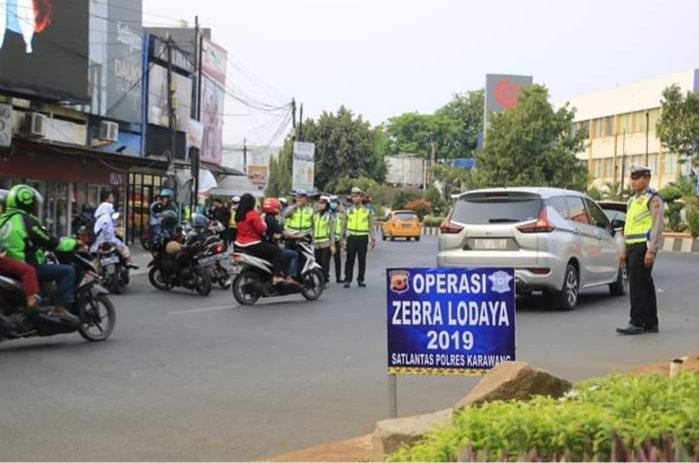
<point x="236" y="185"/>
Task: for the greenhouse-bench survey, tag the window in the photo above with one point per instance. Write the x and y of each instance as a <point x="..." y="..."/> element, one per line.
<point x="597" y="127"/>
<point x="653" y="163"/>
<point x="607" y="167"/>
<point x="497" y="207"/>
<point x="608" y="126"/>
<point x="670" y="163"/>
<point x="625" y="123"/>
<point x="597" y="168"/>
<point x="584" y="128"/>
<point x="559" y="204"/>
<point x="598" y="217"/>
<point x="639" y="121"/>
<point x="653" y="116"/>
<point x="576" y="210"/>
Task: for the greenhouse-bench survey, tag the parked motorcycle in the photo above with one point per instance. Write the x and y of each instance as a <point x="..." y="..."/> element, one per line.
<point x="215" y="256"/>
<point x="252" y="277"/>
<point x="113" y="268"/>
<point x="177" y="265"/>
<point x="92" y="306"/>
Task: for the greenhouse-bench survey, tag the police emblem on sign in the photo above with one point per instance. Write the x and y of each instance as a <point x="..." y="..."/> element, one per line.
<point x="500" y="282"/>
<point x="400" y="281"/>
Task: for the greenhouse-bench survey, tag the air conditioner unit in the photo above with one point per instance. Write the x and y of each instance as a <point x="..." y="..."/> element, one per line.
<point x="109" y="131"/>
<point x="34" y="125"/>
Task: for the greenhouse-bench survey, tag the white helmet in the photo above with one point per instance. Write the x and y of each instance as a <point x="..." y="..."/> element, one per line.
<point x="235" y="199"/>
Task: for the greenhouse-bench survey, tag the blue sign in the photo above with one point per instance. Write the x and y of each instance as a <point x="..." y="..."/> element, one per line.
<point x="450" y="321"/>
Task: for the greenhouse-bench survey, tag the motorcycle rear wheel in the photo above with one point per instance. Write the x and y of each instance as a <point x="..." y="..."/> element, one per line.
<point x="242" y="296"/>
<point x="203" y="284"/>
<point x="98" y="319"/>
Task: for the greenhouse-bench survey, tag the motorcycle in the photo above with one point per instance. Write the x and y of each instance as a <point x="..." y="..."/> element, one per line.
<point x="92" y="306"/>
<point x="215" y="257"/>
<point x="176" y="264"/>
<point x="113" y="269"/>
<point x="252" y="277"/>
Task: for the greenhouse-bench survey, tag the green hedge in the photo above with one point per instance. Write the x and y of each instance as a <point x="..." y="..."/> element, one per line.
<point x="432" y="221"/>
<point x="642" y="411"/>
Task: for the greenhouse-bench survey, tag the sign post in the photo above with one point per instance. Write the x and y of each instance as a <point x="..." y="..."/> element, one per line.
<point x="304" y="165"/>
<point x="448" y="321"/>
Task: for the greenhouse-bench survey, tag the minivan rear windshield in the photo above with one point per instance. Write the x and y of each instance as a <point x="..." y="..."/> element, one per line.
<point x="496" y="208"/>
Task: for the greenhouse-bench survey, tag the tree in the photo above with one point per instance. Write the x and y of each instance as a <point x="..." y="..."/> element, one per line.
<point x="678" y="125"/>
<point x="345" y="144"/>
<point x="455" y="179"/>
<point x="452" y="130"/>
<point x="434" y="197"/>
<point x="279" y="183"/>
<point x="533" y="145"/>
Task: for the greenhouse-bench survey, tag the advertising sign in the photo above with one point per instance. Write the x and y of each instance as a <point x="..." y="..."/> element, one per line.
<point x="44" y="48"/>
<point x="258" y="176"/>
<point x="304" y="165"/>
<point x="213" y="96"/>
<point x="450" y="321"/>
<point x="124" y="60"/>
<point x="5" y="125"/>
<point x="158" y="113"/>
<point x="502" y="91"/>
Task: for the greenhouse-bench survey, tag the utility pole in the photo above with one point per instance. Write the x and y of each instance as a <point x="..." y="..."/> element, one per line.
<point x="196" y="98"/>
<point x="301" y="123"/>
<point x="171" y="114"/>
<point x="293" y="112"/>
<point x="245" y="156"/>
<point x="623" y="165"/>
<point x="645" y="158"/>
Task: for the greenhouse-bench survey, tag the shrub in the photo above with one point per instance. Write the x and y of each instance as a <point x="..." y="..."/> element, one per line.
<point x="420" y="207"/>
<point x="693" y="216"/>
<point x="432" y="221"/>
<point x="640" y="411"/>
<point x="403" y="197"/>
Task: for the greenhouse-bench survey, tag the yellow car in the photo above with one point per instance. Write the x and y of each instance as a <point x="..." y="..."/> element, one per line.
<point x="401" y="224"/>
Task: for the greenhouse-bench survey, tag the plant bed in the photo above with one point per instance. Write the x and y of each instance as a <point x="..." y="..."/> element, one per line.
<point x="617" y="418"/>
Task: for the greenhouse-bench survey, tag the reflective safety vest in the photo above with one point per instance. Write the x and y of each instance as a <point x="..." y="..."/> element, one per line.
<point x="358" y="221"/>
<point x="300" y="221"/>
<point x="321" y="227"/>
<point x="639" y="219"/>
<point x="339" y="219"/>
<point x="232" y="223"/>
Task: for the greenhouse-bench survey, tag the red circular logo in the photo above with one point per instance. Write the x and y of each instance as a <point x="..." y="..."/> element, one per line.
<point x="507" y="93"/>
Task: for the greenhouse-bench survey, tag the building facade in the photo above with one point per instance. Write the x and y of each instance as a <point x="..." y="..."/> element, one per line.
<point x="619" y="129"/>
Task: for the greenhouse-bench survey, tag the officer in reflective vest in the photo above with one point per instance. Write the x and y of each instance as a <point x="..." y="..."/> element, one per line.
<point x="324" y="235"/>
<point x="340" y="219"/>
<point x="359" y="230"/>
<point x="642" y="233"/>
<point x="298" y="219"/>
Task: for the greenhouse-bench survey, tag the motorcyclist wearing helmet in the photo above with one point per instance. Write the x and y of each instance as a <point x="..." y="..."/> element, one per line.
<point x="222" y="214"/>
<point x="271" y="208"/>
<point x="168" y="226"/>
<point x="25" y="240"/>
<point x="104" y="228"/>
<point x="25" y="273"/>
<point x="162" y="203"/>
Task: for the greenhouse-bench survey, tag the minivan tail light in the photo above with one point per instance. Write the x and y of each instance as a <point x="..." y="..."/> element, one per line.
<point x="542" y="224"/>
<point x="449" y="228"/>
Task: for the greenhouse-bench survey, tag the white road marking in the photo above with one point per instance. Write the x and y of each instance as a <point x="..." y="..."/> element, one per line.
<point x="207" y="309"/>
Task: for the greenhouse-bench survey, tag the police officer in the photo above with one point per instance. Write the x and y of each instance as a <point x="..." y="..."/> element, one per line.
<point x="298" y="219"/>
<point x="324" y="235"/>
<point x="340" y="219"/>
<point x="642" y="233"/>
<point x="359" y="230"/>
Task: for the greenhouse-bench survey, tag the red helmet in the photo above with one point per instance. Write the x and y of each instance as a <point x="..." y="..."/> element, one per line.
<point x="271" y="206"/>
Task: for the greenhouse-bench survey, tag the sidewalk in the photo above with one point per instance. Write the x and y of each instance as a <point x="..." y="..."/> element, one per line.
<point x="140" y="257"/>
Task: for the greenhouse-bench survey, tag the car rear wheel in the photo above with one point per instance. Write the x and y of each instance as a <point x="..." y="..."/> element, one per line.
<point x="567" y="297"/>
<point x="621" y="285"/>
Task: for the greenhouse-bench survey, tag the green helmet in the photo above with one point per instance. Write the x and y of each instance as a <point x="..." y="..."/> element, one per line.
<point x="25" y="198"/>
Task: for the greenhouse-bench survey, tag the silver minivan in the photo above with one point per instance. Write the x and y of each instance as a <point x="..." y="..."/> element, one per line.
<point x="558" y="241"/>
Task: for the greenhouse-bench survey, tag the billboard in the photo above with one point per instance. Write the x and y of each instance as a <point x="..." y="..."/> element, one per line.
<point x="502" y="91"/>
<point x="124" y="61"/>
<point x="44" y="46"/>
<point x="258" y="176"/>
<point x="449" y="321"/>
<point x="213" y="95"/>
<point x="158" y="113"/>
<point x="304" y="165"/>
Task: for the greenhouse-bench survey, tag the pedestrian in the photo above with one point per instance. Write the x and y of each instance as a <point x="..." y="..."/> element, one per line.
<point x="642" y="233"/>
<point x="222" y="214"/>
<point x="359" y="230"/>
<point x="324" y="236"/>
<point x="339" y="213"/>
<point x="231" y="224"/>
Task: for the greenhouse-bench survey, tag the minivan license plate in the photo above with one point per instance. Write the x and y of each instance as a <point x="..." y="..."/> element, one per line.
<point x="500" y="243"/>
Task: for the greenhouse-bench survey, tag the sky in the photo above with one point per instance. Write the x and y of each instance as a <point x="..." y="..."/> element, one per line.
<point x="382" y="58"/>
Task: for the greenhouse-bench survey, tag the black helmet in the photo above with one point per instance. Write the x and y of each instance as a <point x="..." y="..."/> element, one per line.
<point x="3" y="198"/>
<point x="168" y="219"/>
<point x="199" y="222"/>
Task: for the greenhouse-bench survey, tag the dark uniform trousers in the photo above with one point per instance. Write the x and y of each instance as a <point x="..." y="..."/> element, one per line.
<point x="644" y="307"/>
<point x="323" y="258"/>
<point x="356" y="248"/>
<point x="338" y="261"/>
